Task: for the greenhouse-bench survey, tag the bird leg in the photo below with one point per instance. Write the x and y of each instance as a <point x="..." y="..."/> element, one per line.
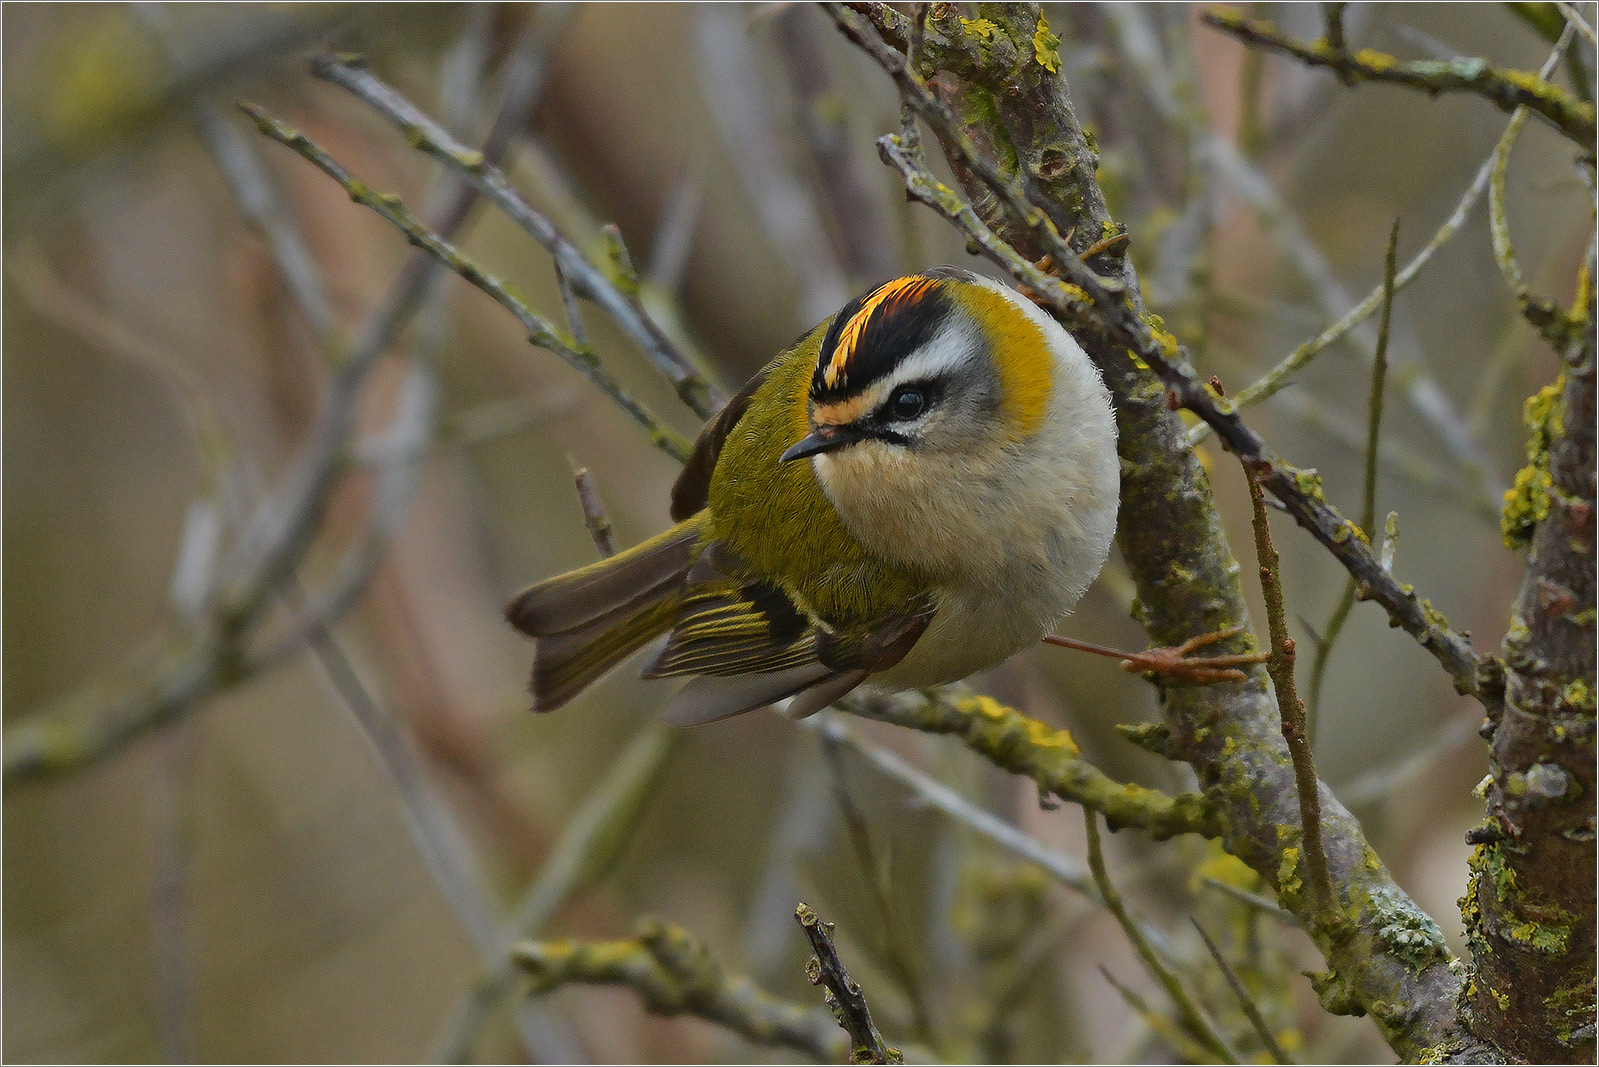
<point x="1174" y="662"/>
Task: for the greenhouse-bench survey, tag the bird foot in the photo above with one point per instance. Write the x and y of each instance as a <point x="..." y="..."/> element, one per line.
<point x="1174" y="662"/>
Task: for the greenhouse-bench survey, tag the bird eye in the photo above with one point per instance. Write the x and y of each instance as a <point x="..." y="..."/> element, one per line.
<point x="907" y="403"/>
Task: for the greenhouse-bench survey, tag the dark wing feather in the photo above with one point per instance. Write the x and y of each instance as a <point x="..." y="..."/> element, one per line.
<point x="692" y="490"/>
<point x="749" y="645"/>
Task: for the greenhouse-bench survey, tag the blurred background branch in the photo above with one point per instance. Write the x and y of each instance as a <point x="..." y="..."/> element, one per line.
<point x="221" y="429"/>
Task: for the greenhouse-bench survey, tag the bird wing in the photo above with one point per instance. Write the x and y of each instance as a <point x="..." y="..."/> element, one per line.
<point x="692" y="490"/>
<point x="750" y="644"/>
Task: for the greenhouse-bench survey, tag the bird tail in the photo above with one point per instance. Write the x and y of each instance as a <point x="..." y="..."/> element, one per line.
<point x="587" y="621"/>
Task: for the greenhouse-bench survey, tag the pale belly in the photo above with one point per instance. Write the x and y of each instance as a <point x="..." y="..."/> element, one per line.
<point x="981" y="628"/>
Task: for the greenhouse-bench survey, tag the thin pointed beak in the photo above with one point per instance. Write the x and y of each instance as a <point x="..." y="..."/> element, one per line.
<point x="822" y="439"/>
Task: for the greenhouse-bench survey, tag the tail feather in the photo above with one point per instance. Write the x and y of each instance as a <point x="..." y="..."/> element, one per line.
<point x="586" y="622"/>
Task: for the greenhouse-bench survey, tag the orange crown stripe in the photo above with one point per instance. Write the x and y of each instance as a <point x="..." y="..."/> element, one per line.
<point x="900" y="290"/>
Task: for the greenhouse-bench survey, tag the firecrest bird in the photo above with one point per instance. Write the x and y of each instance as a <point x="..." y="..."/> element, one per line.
<point x="911" y="493"/>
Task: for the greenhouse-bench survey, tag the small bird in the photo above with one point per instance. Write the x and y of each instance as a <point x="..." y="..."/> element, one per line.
<point x="911" y="493"/>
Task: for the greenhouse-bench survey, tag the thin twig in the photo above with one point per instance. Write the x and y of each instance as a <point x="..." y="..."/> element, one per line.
<point x="1368" y="506"/>
<point x="1190" y="1050"/>
<point x="591" y="842"/>
<point x="1288" y="369"/>
<point x="895" y="944"/>
<point x="674" y="974"/>
<point x="860" y="234"/>
<point x="843" y="994"/>
<point x="1253" y="900"/>
<point x="1281" y="668"/>
<point x="1539" y="310"/>
<point x="1245" y="1001"/>
<point x="594" y="517"/>
<point x="1194" y="1020"/>
<point x="1507" y="89"/>
<point x="619" y="301"/>
<point x="930" y="791"/>
<point x="438" y="837"/>
<point x="541" y="332"/>
<point x="1332" y="17"/>
<point x="734" y="89"/>
<point x="574" y="317"/>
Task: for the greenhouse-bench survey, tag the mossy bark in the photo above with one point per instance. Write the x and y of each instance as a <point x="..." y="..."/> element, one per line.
<point x="1530" y="907"/>
<point x="1386" y="957"/>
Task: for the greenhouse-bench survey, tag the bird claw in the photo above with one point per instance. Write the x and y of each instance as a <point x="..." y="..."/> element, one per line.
<point x="1174" y="662"/>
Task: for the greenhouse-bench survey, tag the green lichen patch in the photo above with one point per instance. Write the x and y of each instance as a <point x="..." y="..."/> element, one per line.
<point x="982" y="29"/>
<point x="1046" y="47"/>
<point x="1527" y="501"/>
<point x="1578" y="695"/>
<point x="1335" y="994"/>
<point x="1407" y="930"/>
<point x="1308" y="481"/>
<point x="1288" y="880"/>
<point x="1549" y="939"/>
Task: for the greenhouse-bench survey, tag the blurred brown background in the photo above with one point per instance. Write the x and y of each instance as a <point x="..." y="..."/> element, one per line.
<point x="244" y="886"/>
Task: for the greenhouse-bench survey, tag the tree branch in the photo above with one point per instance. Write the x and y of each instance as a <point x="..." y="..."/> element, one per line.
<point x="1005" y="89"/>
<point x="1529" y="909"/>
<point x="674" y="974"/>
<point x="1507" y="89"/>
<point x="843" y="993"/>
<point x="615" y="296"/>
<point x="1048" y="756"/>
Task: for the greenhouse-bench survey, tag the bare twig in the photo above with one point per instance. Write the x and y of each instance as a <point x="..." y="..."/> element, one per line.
<point x="858" y="229"/>
<point x="594" y="517"/>
<point x="540" y="331"/>
<point x="1281" y="668"/>
<point x="892" y="939"/>
<point x="1368" y="507"/>
<point x="1251" y="1009"/>
<point x="734" y="91"/>
<point x="930" y="791"/>
<point x="615" y="296"/>
<point x="590" y="844"/>
<point x="1537" y="309"/>
<point x="574" y="317"/>
<point x="1332" y="16"/>
<point x="843" y="994"/>
<point x="439" y="838"/>
<point x="1162" y="1027"/>
<point x="1254" y="900"/>
<point x="1507" y="89"/>
<point x="1193" y="1019"/>
<point x="1286" y="371"/>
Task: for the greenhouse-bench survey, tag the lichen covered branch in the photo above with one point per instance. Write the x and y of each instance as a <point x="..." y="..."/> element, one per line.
<point x="1043" y="753"/>
<point x="1001" y="80"/>
<point x="1507" y="89"/>
<point x="675" y="974"/>
<point x="1105" y="315"/>
<point x="1280" y="665"/>
<point x="1529" y="909"/>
